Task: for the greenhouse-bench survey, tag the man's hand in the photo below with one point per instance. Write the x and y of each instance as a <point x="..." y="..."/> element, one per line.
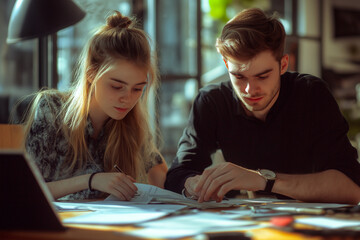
<point x="218" y="180"/>
<point x="190" y="185"/>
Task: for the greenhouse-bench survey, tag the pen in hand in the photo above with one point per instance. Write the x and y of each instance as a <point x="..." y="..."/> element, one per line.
<point x="118" y="169"/>
<point x="121" y="171"/>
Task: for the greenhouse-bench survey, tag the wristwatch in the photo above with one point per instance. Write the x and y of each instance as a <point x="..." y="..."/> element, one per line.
<point x="269" y="177"/>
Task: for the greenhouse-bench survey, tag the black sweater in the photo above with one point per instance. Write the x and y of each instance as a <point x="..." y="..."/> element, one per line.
<point x="304" y="132"/>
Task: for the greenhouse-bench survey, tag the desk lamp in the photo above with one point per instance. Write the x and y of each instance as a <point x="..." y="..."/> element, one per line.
<point x="37" y="18"/>
<point x="40" y="19"/>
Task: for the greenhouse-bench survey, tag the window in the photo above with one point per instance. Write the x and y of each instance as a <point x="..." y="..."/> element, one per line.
<point x="71" y="40"/>
<point x="18" y="73"/>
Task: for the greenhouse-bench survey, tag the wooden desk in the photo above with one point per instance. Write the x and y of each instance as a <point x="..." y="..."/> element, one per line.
<point x="12" y="136"/>
<point x="91" y="232"/>
<point x="72" y="233"/>
<point x="114" y="233"/>
<point x="101" y="232"/>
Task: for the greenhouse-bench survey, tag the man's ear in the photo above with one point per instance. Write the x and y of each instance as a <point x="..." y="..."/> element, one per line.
<point x="284" y="64"/>
<point x="225" y="63"/>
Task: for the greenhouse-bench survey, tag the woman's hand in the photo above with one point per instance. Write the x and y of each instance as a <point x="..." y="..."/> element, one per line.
<point x="118" y="184"/>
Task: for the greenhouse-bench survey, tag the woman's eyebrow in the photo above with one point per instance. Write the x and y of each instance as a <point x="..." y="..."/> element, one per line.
<point x="125" y="83"/>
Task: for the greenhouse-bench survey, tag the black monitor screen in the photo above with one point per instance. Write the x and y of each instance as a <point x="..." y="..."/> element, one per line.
<point x="346" y="22"/>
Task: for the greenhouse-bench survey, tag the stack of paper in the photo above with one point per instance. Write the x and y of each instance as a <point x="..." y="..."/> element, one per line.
<point x="148" y="193"/>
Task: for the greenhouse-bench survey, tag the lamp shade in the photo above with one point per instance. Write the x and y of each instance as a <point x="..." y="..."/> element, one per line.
<point x="36" y="18"/>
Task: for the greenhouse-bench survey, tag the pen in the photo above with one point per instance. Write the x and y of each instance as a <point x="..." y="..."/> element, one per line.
<point x="316" y="211"/>
<point x="118" y="169"/>
<point x="121" y="171"/>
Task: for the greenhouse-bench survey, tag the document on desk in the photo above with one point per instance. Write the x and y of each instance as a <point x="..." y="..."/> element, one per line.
<point x="116" y="217"/>
<point x="110" y="205"/>
<point x="286" y="204"/>
<point x="330" y="223"/>
<point x="148" y="193"/>
<point x="190" y="225"/>
<point x="305" y="208"/>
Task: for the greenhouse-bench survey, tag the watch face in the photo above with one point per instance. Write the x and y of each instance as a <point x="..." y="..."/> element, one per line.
<point x="268" y="174"/>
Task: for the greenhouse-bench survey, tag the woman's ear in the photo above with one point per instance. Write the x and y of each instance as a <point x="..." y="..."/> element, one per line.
<point x="284" y="64"/>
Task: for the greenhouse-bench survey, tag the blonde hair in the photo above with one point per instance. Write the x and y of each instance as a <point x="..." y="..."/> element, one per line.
<point x="129" y="141"/>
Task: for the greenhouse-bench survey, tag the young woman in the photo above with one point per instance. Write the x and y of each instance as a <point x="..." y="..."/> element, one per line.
<point x="77" y="137"/>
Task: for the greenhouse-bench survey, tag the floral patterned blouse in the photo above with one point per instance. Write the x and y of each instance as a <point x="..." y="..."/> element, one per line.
<point x="48" y="147"/>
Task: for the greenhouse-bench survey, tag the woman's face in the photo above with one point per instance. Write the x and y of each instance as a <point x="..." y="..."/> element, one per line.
<point x="118" y="90"/>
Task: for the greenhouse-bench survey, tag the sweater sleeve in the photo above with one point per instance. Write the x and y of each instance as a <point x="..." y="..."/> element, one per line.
<point x="41" y="140"/>
<point x="196" y="145"/>
<point x="331" y="146"/>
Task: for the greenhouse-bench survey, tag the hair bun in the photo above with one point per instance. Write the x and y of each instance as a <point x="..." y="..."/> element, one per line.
<point x="118" y="20"/>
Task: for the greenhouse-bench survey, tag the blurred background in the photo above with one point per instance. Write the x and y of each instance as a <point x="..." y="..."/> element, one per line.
<point x="323" y="40"/>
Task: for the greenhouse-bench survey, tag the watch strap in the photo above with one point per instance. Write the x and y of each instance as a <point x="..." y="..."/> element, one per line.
<point x="269" y="185"/>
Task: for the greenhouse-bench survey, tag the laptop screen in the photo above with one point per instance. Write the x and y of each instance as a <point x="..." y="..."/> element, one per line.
<point x="25" y="202"/>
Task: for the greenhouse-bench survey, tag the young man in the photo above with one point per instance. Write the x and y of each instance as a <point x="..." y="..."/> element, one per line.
<point x="279" y="132"/>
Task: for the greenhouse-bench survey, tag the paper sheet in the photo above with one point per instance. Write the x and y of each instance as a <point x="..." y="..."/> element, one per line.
<point x="119" y="217"/>
<point x="201" y="221"/>
<point x="164" y="233"/>
<point x="306" y="205"/>
<point x="148" y="193"/>
<point x="116" y="205"/>
<point x="191" y="225"/>
<point x="326" y="222"/>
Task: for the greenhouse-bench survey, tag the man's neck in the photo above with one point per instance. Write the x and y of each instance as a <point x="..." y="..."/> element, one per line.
<point x="261" y="115"/>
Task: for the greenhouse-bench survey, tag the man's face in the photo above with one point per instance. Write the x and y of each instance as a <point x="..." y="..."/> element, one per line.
<point x="257" y="81"/>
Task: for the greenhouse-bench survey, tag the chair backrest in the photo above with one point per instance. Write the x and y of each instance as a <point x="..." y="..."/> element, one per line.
<point x="11" y="136"/>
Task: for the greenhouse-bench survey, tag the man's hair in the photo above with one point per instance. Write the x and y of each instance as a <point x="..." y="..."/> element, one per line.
<point x="250" y="32"/>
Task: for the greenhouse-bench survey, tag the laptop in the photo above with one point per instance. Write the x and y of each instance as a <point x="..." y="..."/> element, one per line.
<point x="25" y="200"/>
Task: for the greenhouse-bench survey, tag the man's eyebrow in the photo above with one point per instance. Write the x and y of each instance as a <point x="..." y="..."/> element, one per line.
<point x="258" y="74"/>
<point x="125" y="83"/>
<point x="264" y="72"/>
